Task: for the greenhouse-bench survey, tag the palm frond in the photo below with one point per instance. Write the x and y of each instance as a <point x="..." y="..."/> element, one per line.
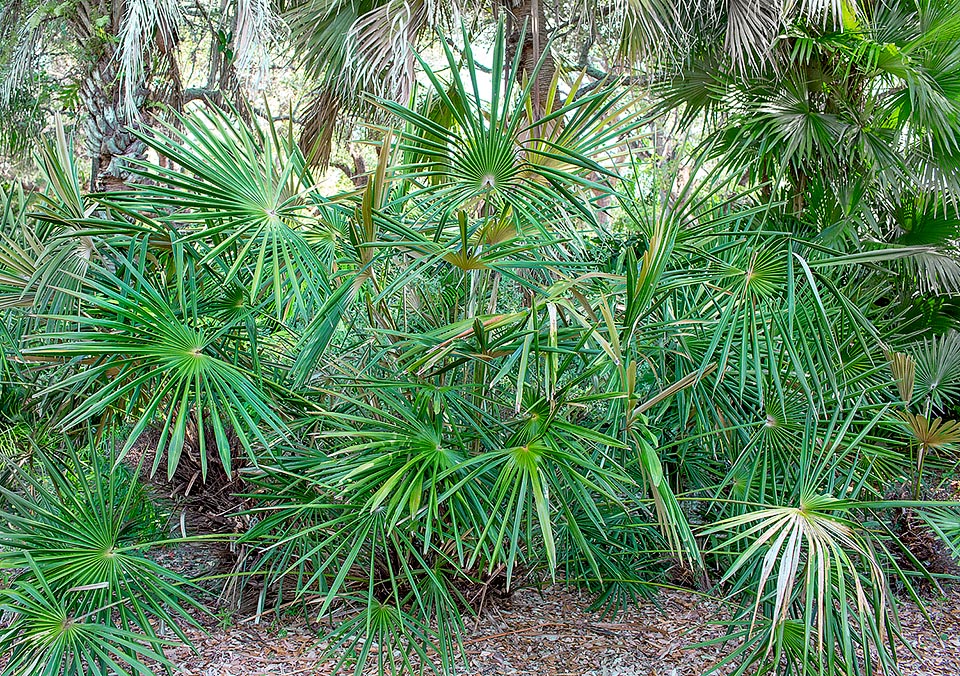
<point x="140" y="355"/>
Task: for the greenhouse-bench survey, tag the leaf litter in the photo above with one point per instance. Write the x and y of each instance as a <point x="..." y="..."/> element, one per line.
<point x="551" y="633"/>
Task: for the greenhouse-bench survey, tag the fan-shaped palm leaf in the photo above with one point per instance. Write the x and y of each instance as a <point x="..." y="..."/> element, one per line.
<point x="156" y="364"/>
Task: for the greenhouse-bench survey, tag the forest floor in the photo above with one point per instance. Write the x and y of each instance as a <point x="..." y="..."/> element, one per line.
<point x="550" y="632"/>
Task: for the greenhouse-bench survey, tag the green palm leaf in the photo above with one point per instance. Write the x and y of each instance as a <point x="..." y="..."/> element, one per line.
<point x="250" y="197"/>
<point x="139" y="355"/>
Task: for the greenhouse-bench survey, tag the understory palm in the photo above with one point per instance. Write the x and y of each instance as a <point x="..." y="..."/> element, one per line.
<point x="82" y="595"/>
<point x="510" y="356"/>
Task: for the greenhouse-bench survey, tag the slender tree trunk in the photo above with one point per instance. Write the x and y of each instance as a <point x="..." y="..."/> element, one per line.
<point x="527" y="32"/>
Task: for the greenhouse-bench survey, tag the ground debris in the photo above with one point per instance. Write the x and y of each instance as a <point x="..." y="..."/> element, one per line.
<point x="550" y="633"/>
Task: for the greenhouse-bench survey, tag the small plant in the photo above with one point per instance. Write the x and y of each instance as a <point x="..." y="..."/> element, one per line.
<point x="224" y="617"/>
<point x="83" y="596"/>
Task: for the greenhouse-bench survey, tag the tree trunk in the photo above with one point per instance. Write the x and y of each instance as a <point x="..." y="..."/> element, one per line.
<point x="109" y="139"/>
<point x="527" y="32"/>
<point x="97" y="26"/>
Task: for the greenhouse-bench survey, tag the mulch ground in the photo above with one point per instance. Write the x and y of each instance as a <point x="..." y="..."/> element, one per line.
<point x="550" y="633"/>
<point x="531" y="632"/>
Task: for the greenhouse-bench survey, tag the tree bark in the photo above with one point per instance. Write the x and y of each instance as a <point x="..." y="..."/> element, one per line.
<point x="527" y="32"/>
<point x="110" y="141"/>
<point x="97" y="26"/>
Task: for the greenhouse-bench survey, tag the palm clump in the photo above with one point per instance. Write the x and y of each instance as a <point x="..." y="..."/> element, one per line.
<point x="83" y="597"/>
<point x="440" y="388"/>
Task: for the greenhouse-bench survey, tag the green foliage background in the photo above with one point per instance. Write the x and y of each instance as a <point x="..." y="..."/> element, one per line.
<point x="524" y="346"/>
